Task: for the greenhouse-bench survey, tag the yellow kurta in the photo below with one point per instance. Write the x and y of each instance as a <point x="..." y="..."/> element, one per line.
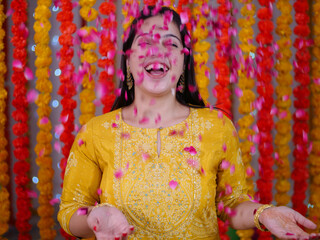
<point x="107" y="146"/>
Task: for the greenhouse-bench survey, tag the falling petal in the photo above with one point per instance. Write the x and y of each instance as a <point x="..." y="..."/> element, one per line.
<point x="125" y="135"/>
<point x="117" y="92"/>
<point x="80" y="142"/>
<point x="228" y="189"/>
<point x="184" y="17"/>
<point x="157" y="119"/>
<point x="250" y="172"/>
<point x="194" y="163"/>
<point x="120" y="74"/>
<point x="44" y="120"/>
<point x="41" y="152"/>
<point x="225" y="164"/>
<point x="224" y="147"/>
<point x="9" y="12"/>
<point x="202" y="171"/>
<point x="305" y="136"/>
<point x="117" y="117"/>
<point x="252" y="149"/>
<point x="200" y="137"/>
<point x="114" y="125"/>
<point x="32" y="194"/>
<point x="145" y="156"/>
<point x="273" y="111"/>
<point x="191" y="150"/>
<point x="59" y="129"/>
<point x="99" y="191"/>
<point x="289" y="234"/>
<point x="232" y="169"/>
<point x="144" y="120"/>
<point x="32" y="96"/>
<point x="82" y="211"/>
<point x="135" y="111"/>
<point x="17" y="64"/>
<point x="300" y="113"/>
<point x="285" y="98"/>
<point x="316" y="81"/>
<point x="118" y="174"/>
<point x="54" y="201"/>
<point x="283" y="114"/>
<point x="64" y="118"/>
<point x="220" y="114"/>
<point x="220" y="206"/>
<point x="28" y="74"/>
<point x="57" y="147"/>
<point x="173" y="184"/>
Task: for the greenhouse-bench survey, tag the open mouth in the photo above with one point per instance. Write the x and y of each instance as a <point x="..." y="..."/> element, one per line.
<point x="156" y="69"/>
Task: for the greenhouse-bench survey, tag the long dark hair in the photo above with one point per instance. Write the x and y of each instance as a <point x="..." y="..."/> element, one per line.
<point x="190" y="96"/>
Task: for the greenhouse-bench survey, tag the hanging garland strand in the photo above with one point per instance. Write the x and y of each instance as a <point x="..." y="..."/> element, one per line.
<point x="4" y="166"/>
<point x="301" y="116"/>
<point x="247" y="97"/>
<point x="43" y="148"/>
<point x="67" y="88"/>
<point x="264" y="104"/>
<point x="107" y="49"/>
<point x="283" y="103"/>
<point x="20" y="115"/>
<point x="88" y="58"/>
<point x="314" y="167"/>
<point x="201" y="47"/>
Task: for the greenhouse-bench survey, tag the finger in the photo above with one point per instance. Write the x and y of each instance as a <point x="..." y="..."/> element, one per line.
<point x="304" y="221"/>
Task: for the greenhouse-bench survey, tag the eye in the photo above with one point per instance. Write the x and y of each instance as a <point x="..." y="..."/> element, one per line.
<point x="171" y="44"/>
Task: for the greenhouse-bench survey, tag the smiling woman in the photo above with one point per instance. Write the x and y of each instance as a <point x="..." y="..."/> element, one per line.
<point x="161" y="165"/>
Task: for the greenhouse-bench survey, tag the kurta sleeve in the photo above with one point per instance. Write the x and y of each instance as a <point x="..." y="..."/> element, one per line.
<point x="231" y="178"/>
<point x="82" y="176"/>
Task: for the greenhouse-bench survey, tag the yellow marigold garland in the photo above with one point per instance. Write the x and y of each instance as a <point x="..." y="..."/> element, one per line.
<point x="4" y="177"/>
<point x="88" y="58"/>
<point x="283" y="102"/>
<point x="246" y="83"/>
<point x="314" y="163"/>
<point x="43" y="148"/>
<point x="201" y="48"/>
<point x="247" y="97"/>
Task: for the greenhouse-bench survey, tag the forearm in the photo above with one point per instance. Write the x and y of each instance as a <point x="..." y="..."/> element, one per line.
<point x="78" y="225"/>
<point x="244" y="215"/>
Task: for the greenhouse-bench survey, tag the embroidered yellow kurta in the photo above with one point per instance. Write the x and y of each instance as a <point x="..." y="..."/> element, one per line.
<point x="173" y="195"/>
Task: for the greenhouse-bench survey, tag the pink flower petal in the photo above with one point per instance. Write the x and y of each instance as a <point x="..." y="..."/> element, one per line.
<point x="17" y="64"/>
<point x="224" y="164"/>
<point x="28" y="74"/>
<point x="64" y="118"/>
<point x="57" y="146"/>
<point x="44" y="120"/>
<point x="191" y="150"/>
<point x="232" y="169"/>
<point x="184" y="17"/>
<point x="32" y="194"/>
<point x="220" y="206"/>
<point x="316" y="81"/>
<point x="200" y="137"/>
<point x="173" y="184"/>
<point x="54" y="201"/>
<point x="118" y="174"/>
<point x="285" y="98"/>
<point x="41" y="152"/>
<point x="80" y="142"/>
<point x="32" y="96"/>
<point x="125" y="135"/>
<point x="82" y="211"/>
<point x="224" y="147"/>
<point x="114" y="125"/>
<point x="59" y="129"/>
<point x="194" y="163"/>
<point x="228" y="190"/>
<point x="144" y="120"/>
<point x="99" y="191"/>
<point x="202" y="171"/>
<point x="127" y="165"/>
<point x="145" y="156"/>
<point x="250" y="172"/>
<point x="220" y="114"/>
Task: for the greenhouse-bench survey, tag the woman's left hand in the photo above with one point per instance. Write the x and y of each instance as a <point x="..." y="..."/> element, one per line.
<point x="283" y="223"/>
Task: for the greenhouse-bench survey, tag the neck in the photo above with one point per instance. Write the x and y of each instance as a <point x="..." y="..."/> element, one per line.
<point x="155" y="111"/>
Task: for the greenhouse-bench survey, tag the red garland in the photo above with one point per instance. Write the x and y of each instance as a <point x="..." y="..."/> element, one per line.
<point x="221" y="90"/>
<point x="67" y="88"/>
<point x="20" y="115"/>
<point x="183" y="6"/>
<point x="300" y="173"/>
<point x="265" y="118"/>
<point x="107" y="49"/>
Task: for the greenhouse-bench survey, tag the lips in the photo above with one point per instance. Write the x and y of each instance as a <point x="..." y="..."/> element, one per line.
<point x="156" y="69"/>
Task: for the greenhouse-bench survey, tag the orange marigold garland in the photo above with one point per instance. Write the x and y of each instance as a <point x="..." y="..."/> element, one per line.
<point x="43" y="148"/>
<point x="67" y="88"/>
<point x="246" y="97"/>
<point x="4" y="166"/>
<point x="107" y="49"/>
<point x="314" y="163"/>
<point x="264" y="104"/>
<point x="20" y="115"/>
<point x="283" y="103"/>
<point x="88" y="58"/>
<point x="300" y="173"/>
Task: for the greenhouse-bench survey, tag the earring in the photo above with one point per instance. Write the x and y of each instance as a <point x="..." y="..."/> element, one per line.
<point x="181" y="83"/>
<point x="129" y="78"/>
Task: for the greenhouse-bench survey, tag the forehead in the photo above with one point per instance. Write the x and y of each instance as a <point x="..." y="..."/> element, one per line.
<point x="157" y="24"/>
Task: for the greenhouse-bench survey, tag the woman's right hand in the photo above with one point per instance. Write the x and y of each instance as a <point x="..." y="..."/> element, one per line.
<point x="109" y="223"/>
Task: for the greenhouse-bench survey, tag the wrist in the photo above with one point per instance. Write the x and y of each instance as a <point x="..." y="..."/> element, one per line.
<point x="259" y="216"/>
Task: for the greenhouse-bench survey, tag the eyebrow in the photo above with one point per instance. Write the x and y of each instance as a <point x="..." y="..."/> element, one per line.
<point x="165" y="36"/>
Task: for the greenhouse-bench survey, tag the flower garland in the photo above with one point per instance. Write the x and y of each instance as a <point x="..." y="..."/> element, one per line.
<point x="264" y="104"/>
<point x="43" y="150"/>
<point x="222" y="70"/>
<point x="20" y="115"/>
<point x="67" y="89"/>
<point x="301" y="116"/>
<point x="247" y="97"/>
<point x="107" y="50"/>
<point x="184" y="7"/>
<point x="4" y="177"/>
<point x="314" y="167"/>
<point x="283" y="103"/>
<point x="201" y="47"/>
<point x="88" y="58"/>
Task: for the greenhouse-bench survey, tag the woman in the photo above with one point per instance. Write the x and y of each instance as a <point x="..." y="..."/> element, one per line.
<point x="161" y="165"/>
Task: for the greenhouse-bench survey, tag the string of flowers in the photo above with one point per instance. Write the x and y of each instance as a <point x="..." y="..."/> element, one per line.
<point x="67" y="88"/>
<point x="264" y="104"/>
<point x="220" y="64"/>
<point x="301" y="116"/>
<point x="4" y="166"/>
<point x="20" y="115"/>
<point x="314" y="163"/>
<point x="107" y="49"/>
<point x="283" y="103"/>
<point x="200" y="46"/>
<point x="88" y="58"/>
<point x="43" y="148"/>
<point x="246" y="98"/>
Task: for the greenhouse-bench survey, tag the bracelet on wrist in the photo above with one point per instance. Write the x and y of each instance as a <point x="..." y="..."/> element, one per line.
<point x="257" y="215"/>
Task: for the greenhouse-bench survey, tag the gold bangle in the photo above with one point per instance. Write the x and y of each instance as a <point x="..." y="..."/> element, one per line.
<point x="257" y="215"/>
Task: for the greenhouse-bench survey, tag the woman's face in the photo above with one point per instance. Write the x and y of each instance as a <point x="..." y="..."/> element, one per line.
<point x="156" y="59"/>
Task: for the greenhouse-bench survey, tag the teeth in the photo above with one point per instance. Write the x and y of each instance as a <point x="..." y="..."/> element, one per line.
<point x="156" y="66"/>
